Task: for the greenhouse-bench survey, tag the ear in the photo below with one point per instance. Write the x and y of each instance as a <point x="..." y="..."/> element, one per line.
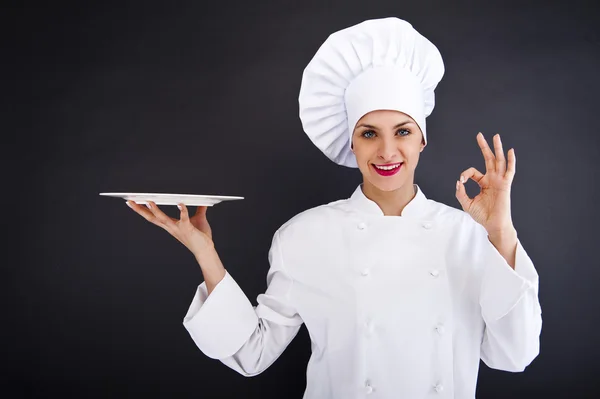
<point x="423" y="145"/>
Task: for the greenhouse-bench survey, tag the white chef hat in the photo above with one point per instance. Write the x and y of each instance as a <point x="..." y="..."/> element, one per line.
<point x="380" y="64"/>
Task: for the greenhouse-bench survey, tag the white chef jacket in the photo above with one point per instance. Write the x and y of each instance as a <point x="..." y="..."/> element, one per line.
<point x="395" y="306"/>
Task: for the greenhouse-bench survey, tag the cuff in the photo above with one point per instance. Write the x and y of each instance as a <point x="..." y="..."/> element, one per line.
<point x="502" y="287"/>
<point x="221" y="323"/>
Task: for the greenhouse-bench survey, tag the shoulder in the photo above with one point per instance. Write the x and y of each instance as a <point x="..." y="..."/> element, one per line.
<point x="458" y="226"/>
<point x="453" y="218"/>
<point x="315" y="220"/>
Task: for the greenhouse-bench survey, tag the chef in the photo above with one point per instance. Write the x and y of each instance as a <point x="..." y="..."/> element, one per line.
<point x="401" y="295"/>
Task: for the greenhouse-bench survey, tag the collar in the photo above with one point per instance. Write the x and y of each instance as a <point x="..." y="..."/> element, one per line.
<point x="414" y="209"/>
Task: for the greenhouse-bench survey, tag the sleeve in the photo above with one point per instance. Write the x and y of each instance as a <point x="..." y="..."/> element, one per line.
<point x="248" y="339"/>
<point x="510" y="308"/>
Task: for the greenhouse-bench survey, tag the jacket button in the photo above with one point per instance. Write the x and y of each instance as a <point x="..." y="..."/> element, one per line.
<point x="438" y="388"/>
<point x="369" y="388"/>
<point x="440" y="329"/>
<point x="369" y="328"/>
<point x="365" y="272"/>
<point x="434" y="273"/>
<point x="427" y="225"/>
<point x="362" y="226"/>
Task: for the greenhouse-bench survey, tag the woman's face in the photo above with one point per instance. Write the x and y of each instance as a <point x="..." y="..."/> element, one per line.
<point x="387" y="138"/>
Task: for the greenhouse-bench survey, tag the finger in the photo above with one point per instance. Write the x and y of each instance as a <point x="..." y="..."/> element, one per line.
<point x="163" y="219"/>
<point x="184" y="215"/>
<point x="148" y="215"/>
<point x="500" y="160"/>
<point x="142" y="210"/>
<point x="512" y="165"/>
<point x="472" y="173"/>
<point x="462" y="197"/>
<point x="488" y="155"/>
<point x="201" y="210"/>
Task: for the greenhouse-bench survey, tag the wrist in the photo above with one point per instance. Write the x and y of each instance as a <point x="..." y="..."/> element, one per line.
<point x="205" y="252"/>
<point x="507" y="234"/>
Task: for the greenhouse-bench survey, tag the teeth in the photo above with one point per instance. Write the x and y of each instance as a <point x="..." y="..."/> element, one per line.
<point x="387" y="167"/>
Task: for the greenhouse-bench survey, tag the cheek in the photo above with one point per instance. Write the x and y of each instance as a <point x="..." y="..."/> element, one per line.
<point x="362" y="159"/>
<point x="414" y="157"/>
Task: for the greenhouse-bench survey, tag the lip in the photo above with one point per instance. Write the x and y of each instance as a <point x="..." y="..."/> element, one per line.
<point x="388" y="172"/>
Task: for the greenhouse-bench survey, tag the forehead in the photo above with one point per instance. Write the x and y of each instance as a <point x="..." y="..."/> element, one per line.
<point x="384" y="117"/>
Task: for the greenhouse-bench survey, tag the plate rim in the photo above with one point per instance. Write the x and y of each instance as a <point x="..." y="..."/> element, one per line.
<point x="122" y="194"/>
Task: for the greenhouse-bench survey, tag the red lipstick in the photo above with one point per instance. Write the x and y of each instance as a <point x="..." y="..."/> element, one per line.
<point x="390" y="172"/>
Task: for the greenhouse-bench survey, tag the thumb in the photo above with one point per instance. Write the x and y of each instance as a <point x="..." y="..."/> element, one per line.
<point x="201" y="210"/>
<point x="462" y="197"/>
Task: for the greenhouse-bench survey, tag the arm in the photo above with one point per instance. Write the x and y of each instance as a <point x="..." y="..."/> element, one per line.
<point x="225" y="326"/>
<point x="509" y="305"/>
<point x="509" y="288"/>
<point x="506" y="245"/>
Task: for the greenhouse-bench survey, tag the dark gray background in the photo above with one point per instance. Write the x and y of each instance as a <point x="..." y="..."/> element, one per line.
<point x="202" y="98"/>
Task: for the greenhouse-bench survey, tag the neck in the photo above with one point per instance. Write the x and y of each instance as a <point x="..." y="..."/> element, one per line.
<point x="392" y="203"/>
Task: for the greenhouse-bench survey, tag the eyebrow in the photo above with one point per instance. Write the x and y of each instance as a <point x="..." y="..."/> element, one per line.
<point x="374" y="127"/>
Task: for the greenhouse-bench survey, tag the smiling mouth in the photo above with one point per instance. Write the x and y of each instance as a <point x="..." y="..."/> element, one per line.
<point x="387" y="170"/>
<point x="388" y="166"/>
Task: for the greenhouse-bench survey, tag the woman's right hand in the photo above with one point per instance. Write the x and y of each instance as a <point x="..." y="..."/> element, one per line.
<point x="195" y="232"/>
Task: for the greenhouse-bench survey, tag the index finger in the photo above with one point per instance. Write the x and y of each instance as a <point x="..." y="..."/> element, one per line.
<point x="145" y="212"/>
<point x="488" y="155"/>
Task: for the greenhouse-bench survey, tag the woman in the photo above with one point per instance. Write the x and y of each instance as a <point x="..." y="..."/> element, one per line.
<point x="401" y="295"/>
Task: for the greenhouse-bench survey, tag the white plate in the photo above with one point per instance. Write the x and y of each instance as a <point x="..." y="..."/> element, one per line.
<point x="173" y="199"/>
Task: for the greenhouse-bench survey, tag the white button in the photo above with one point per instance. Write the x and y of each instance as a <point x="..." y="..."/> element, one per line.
<point x="427" y="225"/>
<point x="362" y="225"/>
<point x="368" y="386"/>
<point x="434" y="273"/>
<point x="369" y="328"/>
<point x="440" y="329"/>
<point x="365" y="272"/>
<point x="438" y="388"/>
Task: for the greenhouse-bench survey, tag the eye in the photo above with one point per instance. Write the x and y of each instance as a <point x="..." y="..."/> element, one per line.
<point x="367" y="134"/>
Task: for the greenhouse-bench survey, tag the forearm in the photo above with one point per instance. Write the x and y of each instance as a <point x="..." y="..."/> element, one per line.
<point x="227" y="326"/>
<point x="510" y="306"/>
<point x="512" y="342"/>
<point x="211" y="266"/>
<point x="506" y="244"/>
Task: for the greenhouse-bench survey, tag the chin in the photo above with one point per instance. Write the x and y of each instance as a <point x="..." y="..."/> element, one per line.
<point x="387" y="185"/>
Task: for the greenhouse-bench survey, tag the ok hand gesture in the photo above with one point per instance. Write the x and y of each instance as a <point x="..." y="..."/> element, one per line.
<point x="491" y="207"/>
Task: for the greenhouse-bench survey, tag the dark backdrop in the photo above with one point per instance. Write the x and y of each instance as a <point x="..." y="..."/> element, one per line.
<point x="202" y="98"/>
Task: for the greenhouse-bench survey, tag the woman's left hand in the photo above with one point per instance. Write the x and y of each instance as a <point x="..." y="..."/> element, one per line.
<point x="491" y="207"/>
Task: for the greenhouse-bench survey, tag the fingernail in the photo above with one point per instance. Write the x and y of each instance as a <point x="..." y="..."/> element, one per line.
<point x="462" y="179"/>
<point x="179" y="206"/>
<point x="148" y="206"/>
<point x="128" y="204"/>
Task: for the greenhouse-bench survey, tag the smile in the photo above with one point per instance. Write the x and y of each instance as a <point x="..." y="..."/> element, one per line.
<point x="387" y="170"/>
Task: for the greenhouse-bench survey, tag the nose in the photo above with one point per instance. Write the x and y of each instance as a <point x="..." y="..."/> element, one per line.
<point x="387" y="150"/>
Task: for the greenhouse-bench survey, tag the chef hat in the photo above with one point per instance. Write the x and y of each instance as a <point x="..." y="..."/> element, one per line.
<point x="380" y="64"/>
